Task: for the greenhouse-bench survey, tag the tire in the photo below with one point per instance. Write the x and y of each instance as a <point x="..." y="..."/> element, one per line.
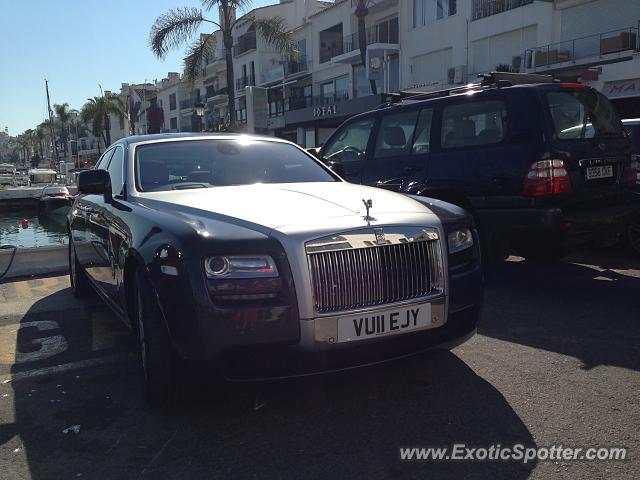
<point x="156" y="351"/>
<point x="80" y="285"/>
<point x="633" y="236"/>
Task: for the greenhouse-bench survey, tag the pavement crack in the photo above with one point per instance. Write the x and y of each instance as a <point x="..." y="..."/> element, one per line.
<point x="157" y="455"/>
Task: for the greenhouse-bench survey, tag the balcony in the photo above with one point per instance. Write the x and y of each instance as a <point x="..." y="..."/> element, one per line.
<point x="188" y="103"/>
<point x="385" y="32"/>
<point x="486" y="8"/>
<point x="293" y="67"/>
<point x="246" y="81"/>
<point x="245" y="43"/>
<point x="597" y="49"/>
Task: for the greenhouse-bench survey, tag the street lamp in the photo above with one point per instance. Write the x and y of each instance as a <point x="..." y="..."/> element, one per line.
<point x="200" y="113"/>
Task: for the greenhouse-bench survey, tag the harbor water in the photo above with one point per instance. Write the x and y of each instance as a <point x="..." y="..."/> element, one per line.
<point x="40" y="231"/>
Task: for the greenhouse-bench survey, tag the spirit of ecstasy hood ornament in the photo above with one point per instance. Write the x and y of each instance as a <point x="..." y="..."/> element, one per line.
<point x="367" y="204"/>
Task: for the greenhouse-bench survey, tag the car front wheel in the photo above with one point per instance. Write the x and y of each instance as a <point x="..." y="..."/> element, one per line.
<point x="79" y="283"/>
<point x="157" y="355"/>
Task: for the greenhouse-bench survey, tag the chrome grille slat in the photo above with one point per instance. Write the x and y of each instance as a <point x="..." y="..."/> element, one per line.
<point x="369" y="276"/>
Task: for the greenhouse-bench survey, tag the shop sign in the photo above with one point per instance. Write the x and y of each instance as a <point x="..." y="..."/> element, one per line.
<point x="624" y="88"/>
<point x="325" y="110"/>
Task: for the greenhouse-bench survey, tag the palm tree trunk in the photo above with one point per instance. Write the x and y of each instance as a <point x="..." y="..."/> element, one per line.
<point x="107" y="130"/>
<point x="231" y="97"/>
<point x="362" y="42"/>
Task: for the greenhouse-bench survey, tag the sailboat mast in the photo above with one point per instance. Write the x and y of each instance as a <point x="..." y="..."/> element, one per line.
<point x="53" y="137"/>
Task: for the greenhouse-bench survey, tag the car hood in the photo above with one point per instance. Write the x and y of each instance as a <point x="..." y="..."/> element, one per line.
<point x="277" y="206"/>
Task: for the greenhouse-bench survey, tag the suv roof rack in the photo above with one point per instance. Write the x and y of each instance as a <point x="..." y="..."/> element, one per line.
<point x="488" y="81"/>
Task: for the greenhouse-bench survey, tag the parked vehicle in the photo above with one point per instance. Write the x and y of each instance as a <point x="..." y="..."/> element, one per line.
<point x="541" y="165"/>
<point x="247" y="252"/>
<point x="55" y="200"/>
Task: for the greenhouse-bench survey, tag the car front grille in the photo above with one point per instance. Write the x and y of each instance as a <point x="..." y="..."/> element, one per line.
<point x="353" y="278"/>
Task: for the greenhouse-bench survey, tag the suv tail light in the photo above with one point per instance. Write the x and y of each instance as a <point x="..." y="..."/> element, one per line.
<point x="547" y="177"/>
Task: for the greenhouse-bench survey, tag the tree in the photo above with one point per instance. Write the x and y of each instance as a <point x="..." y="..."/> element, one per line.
<point x="362" y="10"/>
<point x="64" y="114"/>
<point x="134" y="115"/>
<point x="175" y="28"/>
<point x="96" y="112"/>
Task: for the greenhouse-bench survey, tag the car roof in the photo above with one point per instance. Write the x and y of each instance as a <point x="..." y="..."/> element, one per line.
<point x="135" y="139"/>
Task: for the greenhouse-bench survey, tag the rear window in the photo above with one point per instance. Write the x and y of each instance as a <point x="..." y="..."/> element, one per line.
<point x="187" y="164"/>
<point x="579" y="114"/>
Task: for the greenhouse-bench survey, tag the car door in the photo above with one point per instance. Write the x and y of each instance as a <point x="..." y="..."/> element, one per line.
<point x="402" y="145"/>
<point x="346" y="151"/>
<point x="81" y="234"/>
<point x="102" y="271"/>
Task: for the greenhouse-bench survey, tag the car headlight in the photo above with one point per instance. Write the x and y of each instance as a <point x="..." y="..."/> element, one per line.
<point x="460" y="240"/>
<point x="240" y="266"/>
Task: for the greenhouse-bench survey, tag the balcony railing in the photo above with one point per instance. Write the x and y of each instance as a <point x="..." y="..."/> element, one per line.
<point x="296" y="66"/>
<point x="385" y="32"/>
<point x="212" y="91"/>
<point x="592" y="46"/>
<point x="188" y="103"/>
<point x="245" y="43"/>
<point x="486" y="8"/>
<point x="245" y="81"/>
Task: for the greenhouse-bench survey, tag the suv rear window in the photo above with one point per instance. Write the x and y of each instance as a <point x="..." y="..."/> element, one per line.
<point x="581" y="114"/>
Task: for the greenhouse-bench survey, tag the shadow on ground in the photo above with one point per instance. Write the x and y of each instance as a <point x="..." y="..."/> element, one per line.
<point x="586" y="307"/>
<point x="342" y="425"/>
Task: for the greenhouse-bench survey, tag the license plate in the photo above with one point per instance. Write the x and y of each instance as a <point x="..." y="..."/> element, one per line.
<point x="604" y="171"/>
<point x="384" y="322"/>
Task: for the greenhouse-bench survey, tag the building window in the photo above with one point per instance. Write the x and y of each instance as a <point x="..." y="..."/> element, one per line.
<point x="330" y="43"/>
<point x="172" y="101"/>
<point x="174" y="123"/>
<point x="426" y="12"/>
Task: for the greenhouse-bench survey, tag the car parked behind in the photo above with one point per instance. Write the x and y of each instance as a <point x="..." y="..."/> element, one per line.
<point x="543" y="166"/>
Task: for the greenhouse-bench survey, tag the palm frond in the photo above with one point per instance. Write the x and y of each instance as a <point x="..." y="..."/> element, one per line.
<point x="173" y="29"/>
<point x="238" y="4"/>
<point x="196" y="54"/>
<point x="275" y="32"/>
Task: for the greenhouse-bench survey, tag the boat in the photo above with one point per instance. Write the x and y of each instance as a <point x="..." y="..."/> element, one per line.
<point x="55" y="200"/>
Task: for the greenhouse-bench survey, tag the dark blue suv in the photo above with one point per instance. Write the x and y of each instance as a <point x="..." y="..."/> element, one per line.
<point x="542" y="165"/>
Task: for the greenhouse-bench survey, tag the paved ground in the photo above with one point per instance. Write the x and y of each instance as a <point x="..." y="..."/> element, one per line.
<point x="557" y="361"/>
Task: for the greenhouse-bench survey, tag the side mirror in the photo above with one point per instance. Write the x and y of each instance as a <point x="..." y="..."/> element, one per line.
<point x="94" y="182"/>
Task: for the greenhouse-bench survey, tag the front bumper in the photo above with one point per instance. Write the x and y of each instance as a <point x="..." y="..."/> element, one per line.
<point x="268" y="362"/>
<point x="553" y="227"/>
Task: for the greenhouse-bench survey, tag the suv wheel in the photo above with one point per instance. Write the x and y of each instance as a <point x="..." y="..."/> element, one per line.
<point x="633" y="235"/>
<point x="157" y="355"/>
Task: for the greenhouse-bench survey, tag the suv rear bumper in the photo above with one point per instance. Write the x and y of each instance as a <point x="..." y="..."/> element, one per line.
<point x="553" y="227"/>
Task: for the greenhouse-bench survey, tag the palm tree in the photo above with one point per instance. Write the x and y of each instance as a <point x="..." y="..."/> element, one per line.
<point x="97" y="110"/>
<point x="362" y="10"/>
<point x="63" y="114"/>
<point x="41" y="135"/>
<point x="135" y="109"/>
<point x="178" y="25"/>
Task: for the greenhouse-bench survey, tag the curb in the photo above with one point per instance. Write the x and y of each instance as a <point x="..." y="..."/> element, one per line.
<point x="30" y="262"/>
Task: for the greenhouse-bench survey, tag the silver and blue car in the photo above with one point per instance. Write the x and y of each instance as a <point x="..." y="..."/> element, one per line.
<point x="249" y="254"/>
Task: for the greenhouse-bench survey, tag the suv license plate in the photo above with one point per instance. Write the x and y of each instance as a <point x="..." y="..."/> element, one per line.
<point x="604" y="171"/>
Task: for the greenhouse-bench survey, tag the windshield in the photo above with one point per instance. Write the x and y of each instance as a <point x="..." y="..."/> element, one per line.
<point x="208" y="163"/>
<point x="579" y="114"/>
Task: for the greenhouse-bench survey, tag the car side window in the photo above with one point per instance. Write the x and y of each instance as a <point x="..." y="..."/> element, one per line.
<point x="422" y="136"/>
<point x="350" y="144"/>
<point x="474" y="123"/>
<point x="103" y="161"/>
<point x="116" y="171"/>
<point x="395" y="134"/>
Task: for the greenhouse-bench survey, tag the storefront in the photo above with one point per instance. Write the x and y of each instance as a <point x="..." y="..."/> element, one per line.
<point x="313" y="125"/>
<point x="625" y="96"/>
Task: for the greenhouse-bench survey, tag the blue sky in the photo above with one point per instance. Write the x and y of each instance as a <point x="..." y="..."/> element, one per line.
<point x="76" y="45"/>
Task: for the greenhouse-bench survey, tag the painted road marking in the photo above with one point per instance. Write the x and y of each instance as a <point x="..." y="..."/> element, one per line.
<point x="64" y="367"/>
<point x="49" y="346"/>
